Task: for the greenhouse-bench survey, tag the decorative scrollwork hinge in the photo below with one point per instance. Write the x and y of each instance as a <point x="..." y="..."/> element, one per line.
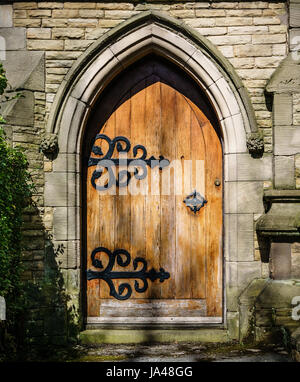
<point x="108" y="162"/>
<point x="108" y="275"/>
<point x="195" y="201"/>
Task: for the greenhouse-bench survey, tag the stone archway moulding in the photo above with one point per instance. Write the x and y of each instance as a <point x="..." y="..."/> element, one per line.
<point x="152" y="32"/>
<point x="145" y="33"/>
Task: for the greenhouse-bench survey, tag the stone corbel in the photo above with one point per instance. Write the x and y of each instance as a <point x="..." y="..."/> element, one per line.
<point x="49" y="145"/>
<point x="255" y="144"/>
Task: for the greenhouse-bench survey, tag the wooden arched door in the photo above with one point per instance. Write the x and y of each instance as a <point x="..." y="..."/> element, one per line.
<point x="151" y="255"/>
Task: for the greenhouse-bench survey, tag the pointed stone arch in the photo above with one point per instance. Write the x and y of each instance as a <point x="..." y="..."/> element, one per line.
<point x="149" y="32"/>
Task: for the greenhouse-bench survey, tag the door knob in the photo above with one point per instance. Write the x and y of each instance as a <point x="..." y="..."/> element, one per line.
<point x="195" y="201"/>
<point x="217" y="182"/>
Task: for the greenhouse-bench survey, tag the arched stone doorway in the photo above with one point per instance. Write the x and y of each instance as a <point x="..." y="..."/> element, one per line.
<point x="147" y="33"/>
<point x="153" y="110"/>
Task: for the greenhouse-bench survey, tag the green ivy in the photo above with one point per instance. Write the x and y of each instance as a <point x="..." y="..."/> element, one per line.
<point x="15" y="192"/>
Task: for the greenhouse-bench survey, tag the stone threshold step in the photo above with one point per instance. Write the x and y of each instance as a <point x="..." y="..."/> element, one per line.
<point x="129" y="336"/>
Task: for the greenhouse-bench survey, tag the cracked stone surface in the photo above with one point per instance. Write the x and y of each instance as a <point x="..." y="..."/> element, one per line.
<point x="183" y="352"/>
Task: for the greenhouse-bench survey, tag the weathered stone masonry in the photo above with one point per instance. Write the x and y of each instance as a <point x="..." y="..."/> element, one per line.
<point x="44" y="40"/>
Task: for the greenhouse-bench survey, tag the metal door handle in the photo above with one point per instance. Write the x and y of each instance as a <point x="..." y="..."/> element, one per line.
<point x="217" y="182"/>
<point x="195" y="201"/>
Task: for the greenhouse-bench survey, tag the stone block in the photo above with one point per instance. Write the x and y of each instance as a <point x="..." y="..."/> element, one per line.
<point x="233" y="21"/>
<point x="294" y="39"/>
<point x="39" y="13"/>
<point x="295" y="14"/>
<point x="67" y="33"/>
<point x="256" y="74"/>
<point x="232" y="294"/>
<point x="243" y="167"/>
<point x="55" y="23"/>
<point x="25" y="70"/>
<point x="82" y="23"/>
<point x="242" y="63"/>
<point x="266" y="20"/>
<point x="252" y="291"/>
<point x="231" y="275"/>
<point x="269" y="39"/>
<point x="64" y="13"/>
<point x="278" y="294"/>
<point x="131" y="336"/>
<point x="284" y="172"/>
<point x="73" y="223"/>
<point x="247" y="30"/>
<point x="239" y="237"/>
<point x="65" y="163"/>
<point x="72" y="280"/>
<point x="21" y="110"/>
<point x="253" y="4"/>
<point x="253" y="50"/>
<point x="39" y="33"/>
<point x="77" y="45"/>
<point x="268" y="62"/>
<point x="25" y="5"/>
<point x="76" y="5"/>
<point x="45" y="45"/>
<point x="6" y="16"/>
<point x="31" y="23"/>
<point x="14" y="38"/>
<point x="233" y="325"/>
<point x="286" y="140"/>
<point x="60" y="223"/>
<point x="112" y="6"/>
<point x="244" y="197"/>
<point x="73" y="253"/>
<point x="55" y="189"/>
<point x="50" y="5"/>
<point x="91" y="13"/>
<point x="283" y="109"/>
<point x="231" y="40"/>
<point x="247" y="272"/>
<point x="280" y="261"/>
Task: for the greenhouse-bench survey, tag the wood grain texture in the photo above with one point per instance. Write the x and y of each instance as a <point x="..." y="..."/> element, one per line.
<point x="156" y="226"/>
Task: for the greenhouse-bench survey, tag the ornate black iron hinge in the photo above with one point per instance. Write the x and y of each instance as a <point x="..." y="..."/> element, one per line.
<point x="106" y="161"/>
<point x="108" y="275"/>
<point x="195" y="201"/>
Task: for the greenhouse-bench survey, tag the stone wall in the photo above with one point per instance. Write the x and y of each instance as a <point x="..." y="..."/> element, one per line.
<point x="252" y="35"/>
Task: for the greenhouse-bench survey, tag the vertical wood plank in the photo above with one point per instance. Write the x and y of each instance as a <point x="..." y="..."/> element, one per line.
<point x="107" y="201"/>
<point x="168" y="146"/>
<point x="138" y="213"/>
<point x="153" y="139"/>
<point x="183" y="218"/>
<point x="198" y="222"/>
<point x="123" y="201"/>
<point x="93" y="286"/>
<point x="214" y="215"/>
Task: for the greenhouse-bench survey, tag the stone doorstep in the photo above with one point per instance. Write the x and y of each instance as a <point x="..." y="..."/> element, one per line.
<point x="128" y="336"/>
